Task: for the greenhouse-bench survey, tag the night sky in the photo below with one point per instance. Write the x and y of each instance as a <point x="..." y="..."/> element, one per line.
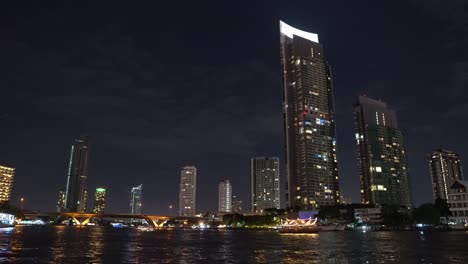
<point x="160" y="86"/>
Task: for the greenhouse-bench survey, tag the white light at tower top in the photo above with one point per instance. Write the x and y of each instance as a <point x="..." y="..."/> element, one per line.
<point x="289" y="31"/>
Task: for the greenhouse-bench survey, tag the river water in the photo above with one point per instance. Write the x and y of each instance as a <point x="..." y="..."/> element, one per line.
<point x="61" y="244"/>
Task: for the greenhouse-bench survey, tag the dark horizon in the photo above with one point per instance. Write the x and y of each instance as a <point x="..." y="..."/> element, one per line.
<point x="163" y="86"/>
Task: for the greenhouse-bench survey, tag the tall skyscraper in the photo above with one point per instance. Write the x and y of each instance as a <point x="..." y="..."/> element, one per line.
<point x="75" y="192"/>
<point x="6" y="182"/>
<point x="136" y="196"/>
<point x="225" y="197"/>
<point x="381" y="156"/>
<point x="99" y="201"/>
<point x="264" y="176"/>
<point x="445" y="168"/>
<point x="188" y="191"/>
<point x="61" y="201"/>
<point x="309" y="122"/>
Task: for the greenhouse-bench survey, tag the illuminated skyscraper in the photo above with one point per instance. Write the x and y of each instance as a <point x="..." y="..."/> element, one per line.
<point x="264" y="176"/>
<point x="225" y="197"/>
<point x="445" y="167"/>
<point x="381" y="155"/>
<point x="188" y="191"/>
<point x="309" y="121"/>
<point x="99" y="201"/>
<point x="6" y="182"/>
<point x="61" y="201"/>
<point x="75" y="192"/>
<point x="136" y="196"/>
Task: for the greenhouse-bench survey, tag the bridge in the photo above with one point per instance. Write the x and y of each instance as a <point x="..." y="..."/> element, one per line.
<point x="156" y="221"/>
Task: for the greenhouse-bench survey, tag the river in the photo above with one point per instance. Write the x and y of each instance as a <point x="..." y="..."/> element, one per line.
<point x="61" y="244"/>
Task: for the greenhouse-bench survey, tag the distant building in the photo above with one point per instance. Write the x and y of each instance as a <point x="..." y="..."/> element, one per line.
<point x="61" y="201"/>
<point x="99" y="201"/>
<point x="368" y="215"/>
<point x="188" y="191"/>
<point x="345" y="199"/>
<point x="458" y="201"/>
<point x="7" y="175"/>
<point x="445" y="168"/>
<point x="264" y="176"/>
<point x="225" y="197"/>
<point x="75" y="192"/>
<point x="236" y="204"/>
<point x="309" y="121"/>
<point x="381" y="155"/>
<point x="136" y="197"/>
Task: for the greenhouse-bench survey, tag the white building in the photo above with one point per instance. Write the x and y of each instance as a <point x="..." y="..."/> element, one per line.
<point x="371" y="215"/>
<point x="188" y="191"/>
<point x="458" y="202"/>
<point x="225" y="197"/>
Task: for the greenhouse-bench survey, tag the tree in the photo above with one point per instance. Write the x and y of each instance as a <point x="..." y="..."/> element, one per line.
<point x="442" y="206"/>
<point x="427" y="214"/>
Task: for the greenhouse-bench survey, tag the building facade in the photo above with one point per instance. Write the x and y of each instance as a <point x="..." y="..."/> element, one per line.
<point x="445" y="168"/>
<point x="136" y="197"/>
<point x="61" y="201"/>
<point x="309" y="121"/>
<point x="7" y="175"/>
<point x="458" y="202"/>
<point x="381" y="155"/>
<point x="264" y="176"/>
<point x="75" y="192"/>
<point x="236" y="204"/>
<point x="99" y="201"/>
<point x="225" y="197"/>
<point x="188" y="191"/>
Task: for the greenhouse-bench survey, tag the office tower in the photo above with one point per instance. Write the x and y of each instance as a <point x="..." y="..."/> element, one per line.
<point x="264" y="176"/>
<point x="445" y="168"/>
<point x="99" y="201"/>
<point x="136" y="197"/>
<point x="6" y="182"/>
<point x="236" y="204"/>
<point x="61" y="201"/>
<point x="381" y="156"/>
<point x="225" y="197"/>
<point x="188" y="191"/>
<point x="77" y="176"/>
<point x="309" y="122"/>
<point x="85" y="202"/>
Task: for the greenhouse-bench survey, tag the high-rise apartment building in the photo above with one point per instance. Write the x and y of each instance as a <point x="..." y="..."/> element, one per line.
<point x="309" y="122"/>
<point x="236" y="204"/>
<point x="264" y="177"/>
<point x="7" y="175"/>
<point x="61" y="201"/>
<point x="445" y="168"/>
<point x="188" y="191"/>
<point x="75" y="192"/>
<point x="381" y="155"/>
<point x="99" y="201"/>
<point x="136" y="196"/>
<point x="225" y="197"/>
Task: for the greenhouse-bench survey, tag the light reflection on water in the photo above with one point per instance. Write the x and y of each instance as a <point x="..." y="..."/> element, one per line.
<point x="48" y="244"/>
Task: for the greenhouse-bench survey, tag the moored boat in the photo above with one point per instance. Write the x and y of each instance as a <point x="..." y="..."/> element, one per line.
<point x="298" y="226"/>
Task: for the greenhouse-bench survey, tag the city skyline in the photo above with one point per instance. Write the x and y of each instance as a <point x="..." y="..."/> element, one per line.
<point x="152" y="106"/>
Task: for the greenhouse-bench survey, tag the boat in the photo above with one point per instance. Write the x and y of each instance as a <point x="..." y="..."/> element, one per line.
<point x="298" y="226"/>
<point x="7" y="220"/>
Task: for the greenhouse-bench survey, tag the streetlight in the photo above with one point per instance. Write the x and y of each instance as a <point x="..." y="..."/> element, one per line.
<point x="22" y="202"/>
<point x="170" y="209"/>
